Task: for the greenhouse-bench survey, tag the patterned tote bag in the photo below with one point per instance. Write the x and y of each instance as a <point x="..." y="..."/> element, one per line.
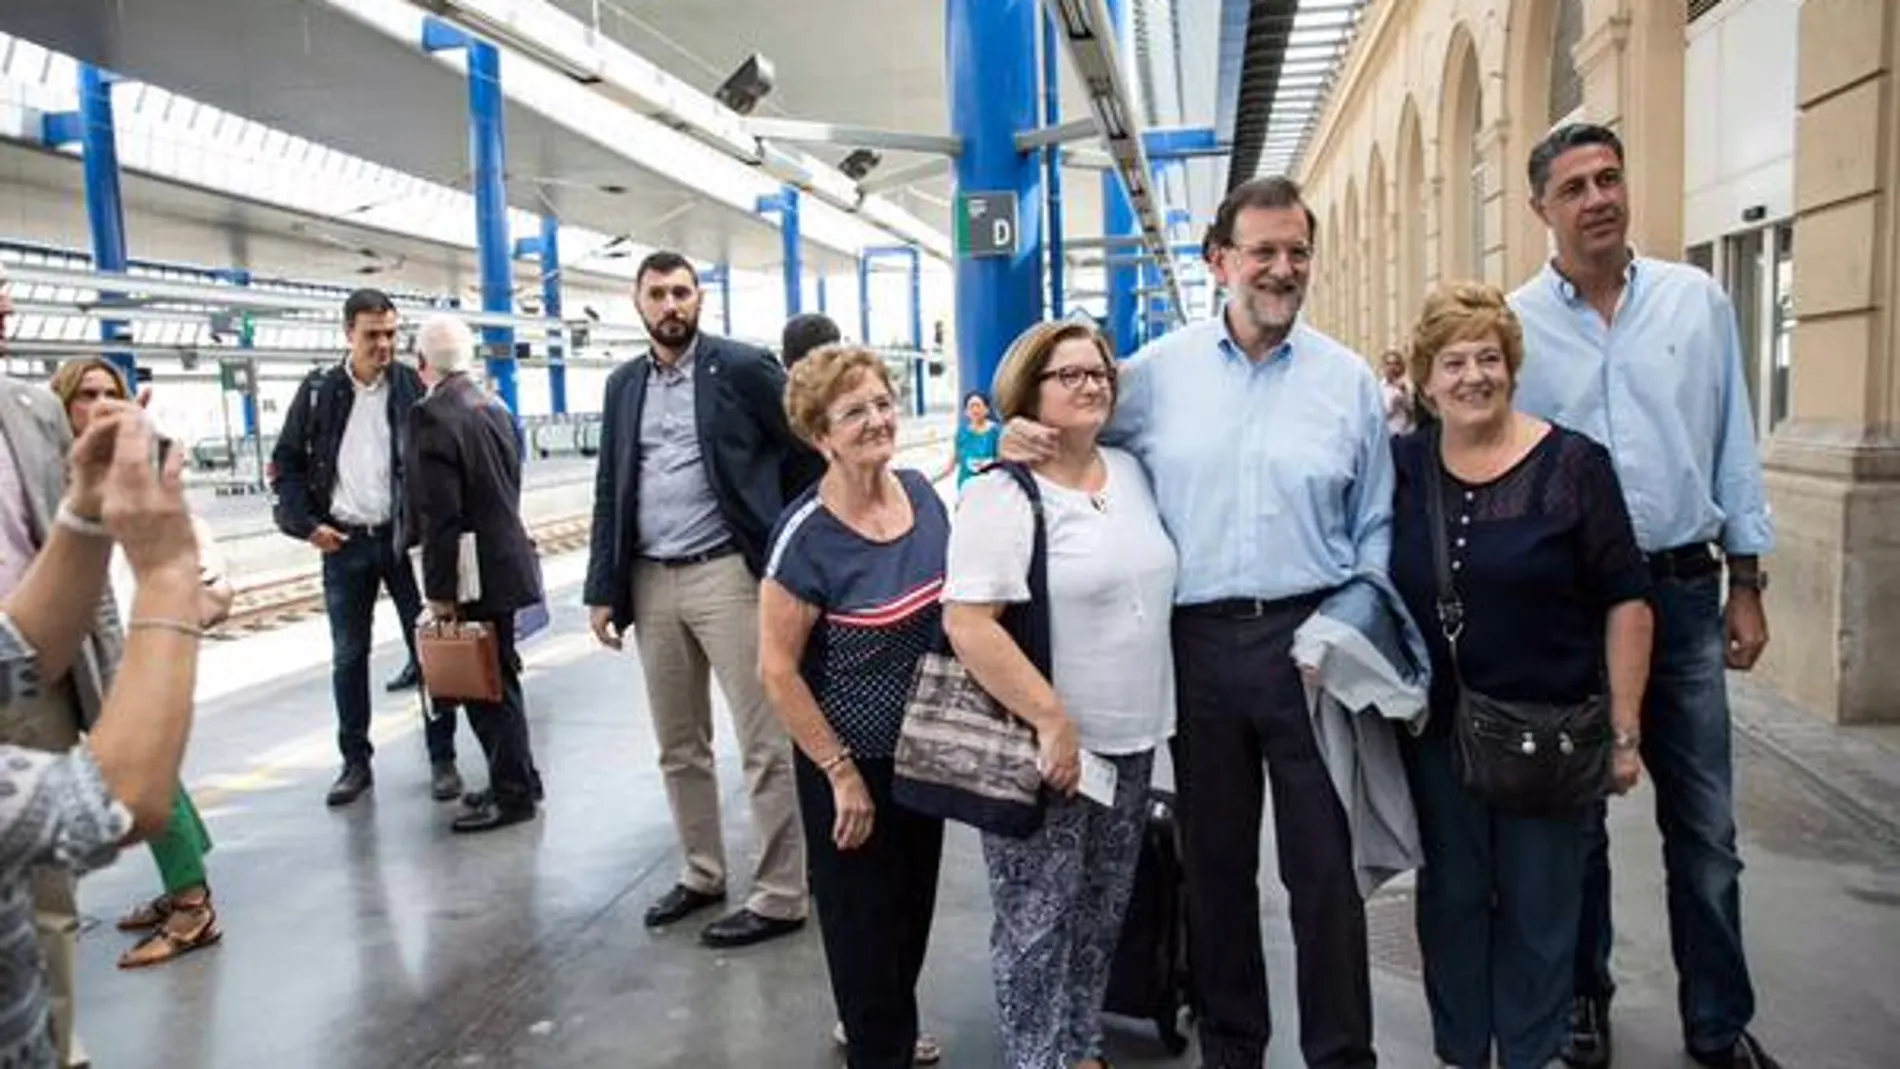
<point x="961" y="756"/>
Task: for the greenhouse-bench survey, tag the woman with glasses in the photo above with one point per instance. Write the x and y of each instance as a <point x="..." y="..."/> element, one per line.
<point x="1059" y="894"/>
<point x="848" y="606"/>
<point x="182" y="918"/>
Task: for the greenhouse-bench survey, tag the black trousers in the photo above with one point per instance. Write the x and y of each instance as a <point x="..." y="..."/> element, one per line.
<point x="875" y="906"/>
<point x="352" y="577"/>
<point x="502" y="728"/>
<point x="1242" y="710"/>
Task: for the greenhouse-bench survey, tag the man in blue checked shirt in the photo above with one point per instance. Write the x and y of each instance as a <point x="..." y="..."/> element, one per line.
<point x="1266" y="444"/>
<point x="1643" y="356"/>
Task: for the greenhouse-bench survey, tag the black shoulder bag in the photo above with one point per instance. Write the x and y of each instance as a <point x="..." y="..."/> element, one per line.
<point x="961" y="756"/>
<point x="1532" y="759"/>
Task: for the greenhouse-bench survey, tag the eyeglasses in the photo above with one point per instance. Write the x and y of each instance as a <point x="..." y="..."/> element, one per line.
<point x="1074" y="375"/>
<point x="1266" y="255"/>
<point x="857" y="415"/>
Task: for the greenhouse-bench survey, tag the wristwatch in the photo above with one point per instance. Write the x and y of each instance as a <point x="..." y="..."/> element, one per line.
<point x="1756" y="580"/>
<point x="1628" y="740"/>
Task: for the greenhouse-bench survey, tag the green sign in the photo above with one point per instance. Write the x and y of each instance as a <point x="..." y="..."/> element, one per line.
<point x="986" y="224"/>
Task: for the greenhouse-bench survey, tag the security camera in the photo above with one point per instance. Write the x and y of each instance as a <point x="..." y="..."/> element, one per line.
<point x="860" y="163"/>
<point x="748" y="85"/>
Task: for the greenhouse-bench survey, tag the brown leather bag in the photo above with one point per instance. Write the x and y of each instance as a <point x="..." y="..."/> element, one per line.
<point x="461" y="661"/>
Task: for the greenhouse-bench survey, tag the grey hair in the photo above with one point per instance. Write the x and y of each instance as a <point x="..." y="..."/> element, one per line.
<point x="1561" y="140"/>
<point x="447" y="344"/>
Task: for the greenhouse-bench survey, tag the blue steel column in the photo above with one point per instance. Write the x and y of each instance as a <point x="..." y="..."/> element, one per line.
<point x="247" y="339"/>
<point x="991" y="56"/>
<point x="488" y="154"/>
<point x="1052" y="163"/>
<point x="105" y="209"/>
<point x="785" y="203"/>
<point x="921" y="366"/>
<point x="551" y="308"/>
<point x="864" y="296"/>
<point x="1118" y="221"/>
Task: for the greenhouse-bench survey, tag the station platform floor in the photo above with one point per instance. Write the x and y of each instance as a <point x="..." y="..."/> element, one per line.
<point x="372" y="938"/>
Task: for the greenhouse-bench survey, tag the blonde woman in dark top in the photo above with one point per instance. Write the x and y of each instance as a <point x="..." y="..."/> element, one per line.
<point x="1553" y="590"/>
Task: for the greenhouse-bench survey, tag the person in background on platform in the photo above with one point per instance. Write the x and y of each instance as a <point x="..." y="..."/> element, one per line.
<point x="339" y="485"/>
<point x="34" y="437"/>
<point x="696" y="464"/>
<point x="182" y="919"/>
<point x="1553" y="586"/>
<point x="465" y="479"/>
<point x="1643" y="355"/>
<point x="847" y="608"/>
<point x="803" y="333"/>
<point x="1401" y="403"/>
<point x="68" y="806"/>
<point x="976" y="441"/>
<point x="1257" y="391"/>
<point x="1059" y="894"/>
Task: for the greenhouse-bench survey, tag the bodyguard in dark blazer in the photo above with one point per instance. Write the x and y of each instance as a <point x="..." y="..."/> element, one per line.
<point x="696" y="462"/>
<point x="466" y="478"/>
<point x="338" y="477"/>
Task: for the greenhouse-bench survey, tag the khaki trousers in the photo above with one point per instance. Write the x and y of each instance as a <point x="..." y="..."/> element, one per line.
<point x="686" y="620"/>
<point x="51" y="722"/>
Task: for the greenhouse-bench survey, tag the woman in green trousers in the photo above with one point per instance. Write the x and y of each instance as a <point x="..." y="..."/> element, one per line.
<point x="182" y="918"/>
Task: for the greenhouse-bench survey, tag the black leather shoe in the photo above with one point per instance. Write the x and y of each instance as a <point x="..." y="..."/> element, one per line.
<point x="404" y="679"/>
<point x="349" y="786"/>
<point x="744" y="928"/>
<point x="445" y="783"/>
<point x="486" y="796"/>
<point x="678" y="904"/>
<point x="1587" y="1046"/>
<point x="1746" y="1053"/>
<point x="490" y="817"/>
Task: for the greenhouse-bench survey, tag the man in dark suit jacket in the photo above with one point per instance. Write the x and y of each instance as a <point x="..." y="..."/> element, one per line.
<point x="338" y="477"/>
<point x="696" y="462"/>
<point x="465" y="477"/>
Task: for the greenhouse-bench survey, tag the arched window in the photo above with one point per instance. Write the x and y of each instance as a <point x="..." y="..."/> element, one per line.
<point x="1566" y="83"/>
<point x="1477" y="174"/>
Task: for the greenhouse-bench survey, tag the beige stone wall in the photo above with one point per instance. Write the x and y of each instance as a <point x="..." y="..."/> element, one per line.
<point x="1417" y="167"/>
<point x="1417" y="171"/>
<point x="1834" y="467"/>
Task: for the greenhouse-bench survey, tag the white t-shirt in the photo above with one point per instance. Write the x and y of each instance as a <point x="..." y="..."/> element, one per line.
<point x="1111" y="591"/>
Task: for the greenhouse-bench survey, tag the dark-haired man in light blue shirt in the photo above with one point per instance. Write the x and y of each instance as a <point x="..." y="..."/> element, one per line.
<point x="1643" y="356"/>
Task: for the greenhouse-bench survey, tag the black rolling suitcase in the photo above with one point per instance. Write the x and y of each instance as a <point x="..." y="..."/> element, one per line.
<point x="1149" y="979"/>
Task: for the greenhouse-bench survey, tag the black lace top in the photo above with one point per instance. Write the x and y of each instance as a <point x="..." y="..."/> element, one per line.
<point x="1540" y="555"/>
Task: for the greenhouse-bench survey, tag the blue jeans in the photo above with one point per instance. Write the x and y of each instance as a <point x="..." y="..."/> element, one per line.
<point x="352" y="578"/>
<point x="1686" y="750"/>
<point x="1498" y="901"/>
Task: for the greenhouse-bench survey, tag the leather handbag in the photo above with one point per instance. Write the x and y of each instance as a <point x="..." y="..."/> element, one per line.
<point x="461" y="661"/>
<point x="1536" y="759"/>
<point x="960" y="755"/>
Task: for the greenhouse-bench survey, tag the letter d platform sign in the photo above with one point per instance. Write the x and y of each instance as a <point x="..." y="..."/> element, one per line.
<point x="986" y="224"/>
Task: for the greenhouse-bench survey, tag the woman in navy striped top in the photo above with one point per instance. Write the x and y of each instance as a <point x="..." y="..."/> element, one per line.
<point x="848" y="606"/>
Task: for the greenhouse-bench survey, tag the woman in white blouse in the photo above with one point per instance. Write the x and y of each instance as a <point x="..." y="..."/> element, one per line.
<point x="1059" y="894"/>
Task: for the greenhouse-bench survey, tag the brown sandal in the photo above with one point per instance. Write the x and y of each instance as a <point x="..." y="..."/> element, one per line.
<point x="187" y="927"/>
<point x="148" y="915"/>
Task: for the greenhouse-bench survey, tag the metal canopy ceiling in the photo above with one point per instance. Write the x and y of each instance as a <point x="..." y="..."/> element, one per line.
<point x="312" y="70"/>
<point x="1293" y="52"/>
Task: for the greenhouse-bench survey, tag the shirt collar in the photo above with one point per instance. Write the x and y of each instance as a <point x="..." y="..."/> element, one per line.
<point x="1230" y="346"/>
<point x="685" y="364"/>
<point x="1567" y="289"/>
<point x="349" y="372"/>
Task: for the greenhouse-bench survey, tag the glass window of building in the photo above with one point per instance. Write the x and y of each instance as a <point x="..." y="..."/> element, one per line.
<point x="1566" y="83"/>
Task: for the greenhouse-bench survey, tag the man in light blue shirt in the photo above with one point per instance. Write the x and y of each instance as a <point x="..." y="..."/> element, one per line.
<point x="1643" y="356"/>
<point x="1266" y="444"/>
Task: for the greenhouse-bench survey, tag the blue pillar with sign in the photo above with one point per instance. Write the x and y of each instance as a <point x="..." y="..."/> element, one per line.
<point x="489" y="151"/>
<point x="991" y="56"/>
<point x="551" y="308"/>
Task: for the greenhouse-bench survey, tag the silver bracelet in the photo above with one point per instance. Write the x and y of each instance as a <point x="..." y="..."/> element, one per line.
<point x="84" y="525"/>
<point x="160" y="623"/>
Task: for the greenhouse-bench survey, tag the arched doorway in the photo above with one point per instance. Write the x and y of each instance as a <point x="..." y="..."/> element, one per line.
<point x="1411" y="198"/>
<point x="1460" y="117"/>
<point x="1378" y="267"/>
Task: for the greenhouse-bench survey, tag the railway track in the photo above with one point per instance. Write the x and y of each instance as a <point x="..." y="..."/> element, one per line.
<point x="273" y="604"/>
